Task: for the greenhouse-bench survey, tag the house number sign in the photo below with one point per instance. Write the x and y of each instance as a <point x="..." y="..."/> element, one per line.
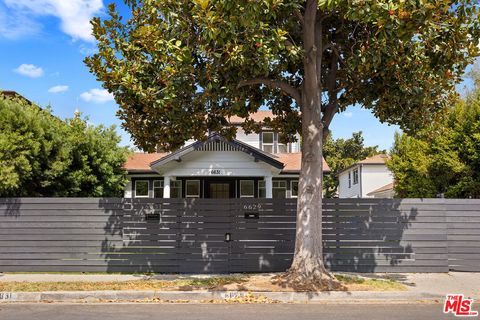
<point x="215" y="171"/>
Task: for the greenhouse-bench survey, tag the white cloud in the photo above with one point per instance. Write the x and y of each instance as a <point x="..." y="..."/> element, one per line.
<point x="14" y="24"/>
<point x="97" y="96"/>
<point x="29" y="70"/>
<point x="74" y="15"/>
<point x="58" y="89"/>
<point x="348" y="114"/>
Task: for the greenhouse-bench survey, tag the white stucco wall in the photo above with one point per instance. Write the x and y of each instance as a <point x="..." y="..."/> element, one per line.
<point x="374" y="177"/>
<point x="343" y="190"/>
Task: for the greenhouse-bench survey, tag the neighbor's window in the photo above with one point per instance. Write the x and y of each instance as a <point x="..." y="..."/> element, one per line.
<point x="141" y="189"/>
<point x="247" y="189"/>
<point x="281" y="147"/>
<point x="279" y="189"/>
<point x="355" y="176"/>
<point x="349" y="179"/>
<point x="268" y="142"/>
<point x="294" y="187"/>
<point x="192" y="189"/>
<point x="175" y="188"/>
<point x="158" y="188"/>
<point x="262" y="190"/>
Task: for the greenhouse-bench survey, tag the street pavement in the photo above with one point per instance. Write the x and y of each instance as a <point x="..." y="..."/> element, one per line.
<point x="222" y="311"/>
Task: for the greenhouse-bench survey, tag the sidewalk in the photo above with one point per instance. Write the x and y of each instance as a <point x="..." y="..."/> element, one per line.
<point x="428" y="287"/>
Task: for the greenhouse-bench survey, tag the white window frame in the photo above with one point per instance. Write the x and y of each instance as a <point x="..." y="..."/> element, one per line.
<point x="262" y="185"/>
<point x="148" y="189"/>
<point x="291" y="189"/>
<point x="179" y="187"/>
<point x="160" y="187"/>
<point x="270" y="143"/>
<point x="253" y="189"/>
<point x="186" y="189"/>
<point x="279" y="182"/>
<point x="349" y="179"/>
<point x="355" y="175"/>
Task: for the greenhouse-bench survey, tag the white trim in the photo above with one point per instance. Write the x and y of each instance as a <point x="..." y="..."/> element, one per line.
<point x="166" y="187"/>
<point x="268" y="187"/>
<point x="147" y="175"/>
<point x="291" y="188"/>
<point x="186" y="189"/>
<point x="253" y="189"/>
<point x="160" y="187"/>
<point x="148" y="189"/>
<point x="280" y="182"/>
<point x="269" y="143"/>
<point x="260" y="187"/>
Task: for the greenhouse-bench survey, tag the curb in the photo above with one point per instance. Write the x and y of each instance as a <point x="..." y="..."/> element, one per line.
<point x="205" y="296"/>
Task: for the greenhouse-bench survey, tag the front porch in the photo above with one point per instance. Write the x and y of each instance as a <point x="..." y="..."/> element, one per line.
<point x="213" y="187"/>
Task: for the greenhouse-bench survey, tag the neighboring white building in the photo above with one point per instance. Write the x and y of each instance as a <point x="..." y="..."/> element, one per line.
<point x="250" y="166"/>
<point x="369" y="178"/>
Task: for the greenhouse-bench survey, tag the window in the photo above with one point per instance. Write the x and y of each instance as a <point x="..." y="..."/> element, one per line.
<point x="247" y="189"/>
<point x="281" y="147"/>
<point x="158" y="189"/>
<point x="175" y="188"/>
<point x="141" y="189"/>
<point x="192" y="189"/>
<point x="294" y="188"/>
<point x="355" y="176"/>
<point x="349" y="179"/>
<point x="279" y="189"/>
<point x="268" y="142"/>
<point x="262" y="191"/>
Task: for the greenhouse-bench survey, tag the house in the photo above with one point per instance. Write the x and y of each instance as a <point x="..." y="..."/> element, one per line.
<point x="255" y="165"/>
<point x="369" y="178"/>
<point x="14" y="94"/>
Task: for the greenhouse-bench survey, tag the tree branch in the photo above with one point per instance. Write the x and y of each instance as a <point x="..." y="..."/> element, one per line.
<point x="299" y="16"/>
<point x="274" y="84"/>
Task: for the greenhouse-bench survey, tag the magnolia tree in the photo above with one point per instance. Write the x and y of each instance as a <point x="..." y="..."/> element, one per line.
<point x="181" y="68"/>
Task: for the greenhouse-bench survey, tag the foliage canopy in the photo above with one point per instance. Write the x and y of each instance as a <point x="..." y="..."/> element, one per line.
<point x="179" y="68"/>
<point x="44" y="156"/>
<point x="443" y="158"/>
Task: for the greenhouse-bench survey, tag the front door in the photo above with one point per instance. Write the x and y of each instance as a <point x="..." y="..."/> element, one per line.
<point x="220" y="190"/>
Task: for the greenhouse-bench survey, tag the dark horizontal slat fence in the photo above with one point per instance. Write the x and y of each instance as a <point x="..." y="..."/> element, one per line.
<point x="188" y="235"/>
<point x="463" y="234"/>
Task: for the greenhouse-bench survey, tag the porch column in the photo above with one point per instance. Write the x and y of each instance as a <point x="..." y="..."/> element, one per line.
<point x="166" y="187"/>
<point x="128" y="190"/>
<point x="268" y="187"/>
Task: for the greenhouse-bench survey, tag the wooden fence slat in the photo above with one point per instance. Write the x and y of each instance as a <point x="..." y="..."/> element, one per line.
<point x="188" y="235"/>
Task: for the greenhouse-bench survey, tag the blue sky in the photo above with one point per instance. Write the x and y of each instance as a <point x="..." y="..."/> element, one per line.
<point x="44" y="42"/>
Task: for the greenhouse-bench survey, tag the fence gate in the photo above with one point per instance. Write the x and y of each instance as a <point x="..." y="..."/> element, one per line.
<point x="210" y="235"/>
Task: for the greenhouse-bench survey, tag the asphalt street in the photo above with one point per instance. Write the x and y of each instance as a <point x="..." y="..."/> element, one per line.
<point x="138" y="311"/>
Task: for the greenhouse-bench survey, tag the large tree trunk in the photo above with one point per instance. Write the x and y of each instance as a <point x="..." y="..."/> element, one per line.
<point x="308" y="271"/>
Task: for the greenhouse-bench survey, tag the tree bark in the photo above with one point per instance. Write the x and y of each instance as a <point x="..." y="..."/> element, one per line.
<point x="308" y="270"/>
